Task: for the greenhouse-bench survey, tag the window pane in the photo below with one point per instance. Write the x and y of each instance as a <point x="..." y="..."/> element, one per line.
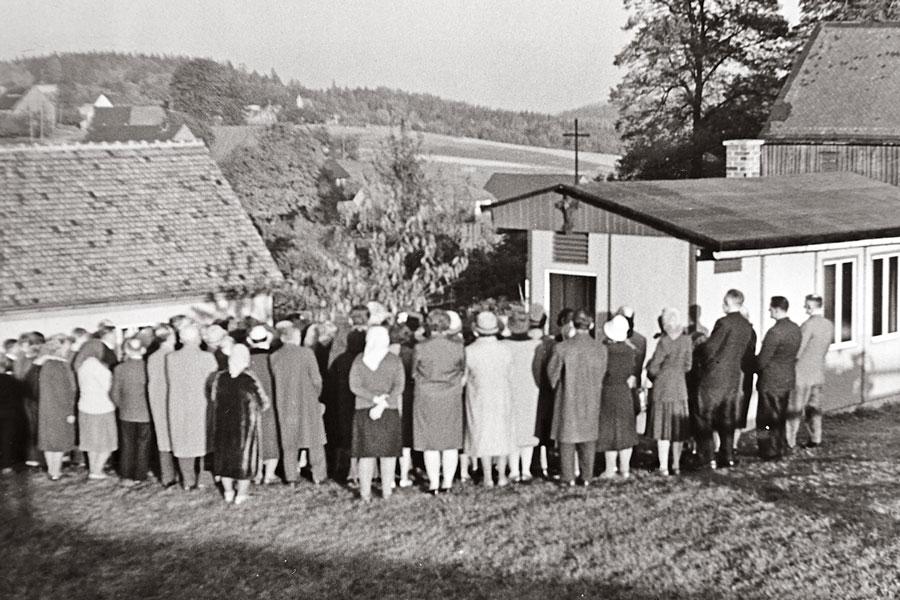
<point x="877" y="293"/>
<point x="846" y="301"/>
<point x="829" y="292"/>
<point x="892" y="294"/>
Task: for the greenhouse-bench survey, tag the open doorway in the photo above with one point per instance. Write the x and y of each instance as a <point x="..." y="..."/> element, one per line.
<point x="571" y="291"/>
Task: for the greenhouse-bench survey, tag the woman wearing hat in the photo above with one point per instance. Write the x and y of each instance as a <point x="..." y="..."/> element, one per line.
<point x="669" y="420"/>
<point x="524" y="393"/>
<point x="239" y="402"/>
<point x="56" y="403"/>
<point x="438" y="369"/>
<point x="617" y="427"/>
<point x="377" y="380"/>
<point x="96" y="413"/>
<point x="489" y="432"/>
<point x="260" y="341"/>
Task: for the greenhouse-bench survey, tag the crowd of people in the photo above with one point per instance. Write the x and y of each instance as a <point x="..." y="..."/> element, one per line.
<point x="406" y="397"/>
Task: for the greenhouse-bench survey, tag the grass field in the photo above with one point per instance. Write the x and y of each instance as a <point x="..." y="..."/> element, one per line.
<point x="823" y="524"/>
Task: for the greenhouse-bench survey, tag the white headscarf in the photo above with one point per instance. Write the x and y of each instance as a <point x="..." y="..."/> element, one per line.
<point x="378" y="342"/>
<point x="238" y="360"/>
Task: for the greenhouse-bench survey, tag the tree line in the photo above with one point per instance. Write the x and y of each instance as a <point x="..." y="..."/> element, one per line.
<point x="209" y="89"/>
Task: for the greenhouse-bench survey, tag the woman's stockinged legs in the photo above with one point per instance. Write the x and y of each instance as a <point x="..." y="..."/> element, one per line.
<point x="662" y="451"/>
<point x="449" y="458"/>
<point x="366" y="470"/>
<point x="388" y="465"/>
<point x="433" y="468"/>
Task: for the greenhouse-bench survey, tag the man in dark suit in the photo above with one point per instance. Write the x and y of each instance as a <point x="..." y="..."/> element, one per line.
<point x="720" y="384"/>
<point x="775" y="365"/>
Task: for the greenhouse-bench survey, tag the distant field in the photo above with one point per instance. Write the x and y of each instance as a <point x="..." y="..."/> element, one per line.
<point x="483" y="155"/>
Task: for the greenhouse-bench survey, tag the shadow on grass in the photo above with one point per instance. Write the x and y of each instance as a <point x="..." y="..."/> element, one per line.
<point x="49" y="560"/>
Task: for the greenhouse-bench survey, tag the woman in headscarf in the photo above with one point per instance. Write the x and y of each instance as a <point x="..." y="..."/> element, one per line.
<point x="669" y="419"/>
<point x="377" y="380"/>
<point x="617" y="426"/>
<point x="438" y="368"/>
<point x="97" y="431"/>
<point x="239" y="401"/>
<point x="56" y="403"/>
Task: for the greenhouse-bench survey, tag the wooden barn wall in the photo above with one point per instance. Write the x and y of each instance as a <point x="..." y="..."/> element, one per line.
<point x="877" y="162"/>
<point x="541" y="214"/>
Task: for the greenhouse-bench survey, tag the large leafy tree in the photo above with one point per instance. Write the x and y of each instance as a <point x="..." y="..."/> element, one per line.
<point x="697" y="72"/>
<point x="408" y="235"/>
<point x="207" y="90"/>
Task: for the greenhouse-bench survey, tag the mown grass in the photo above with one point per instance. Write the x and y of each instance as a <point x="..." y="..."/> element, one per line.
<point x="823" y="524"/>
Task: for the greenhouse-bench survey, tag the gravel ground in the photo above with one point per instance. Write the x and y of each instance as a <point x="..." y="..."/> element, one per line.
<point x="821" y="524"/>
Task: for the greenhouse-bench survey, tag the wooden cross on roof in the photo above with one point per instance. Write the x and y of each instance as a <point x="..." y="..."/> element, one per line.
<point x="576" y="135"/>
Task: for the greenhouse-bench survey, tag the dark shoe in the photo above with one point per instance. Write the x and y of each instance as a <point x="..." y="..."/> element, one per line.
<point x="445" y="490"/>
<point x="810" y="445"/>
<point x="434" y="492"/>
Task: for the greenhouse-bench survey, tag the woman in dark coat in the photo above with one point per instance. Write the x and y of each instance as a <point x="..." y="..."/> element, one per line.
<point x="239" y="402"/>
<point x="339" y="409"/>
<point x="437" y="417"/>
<point x="57" y="392"/>
<point x="401" y="346"/>
<point x="617" y="427"/>
<point x="669" y="419"/>
<point x="260" y="341"/>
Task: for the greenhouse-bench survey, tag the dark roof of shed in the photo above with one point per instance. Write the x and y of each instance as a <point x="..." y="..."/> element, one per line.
<point x="749" y="213"/>
<point x="111" y="223"/>
<point x="844" y="87"/>
<point x="134" y="124"/>
<point x="509" y="185"/>
<point x="10" y="98"/>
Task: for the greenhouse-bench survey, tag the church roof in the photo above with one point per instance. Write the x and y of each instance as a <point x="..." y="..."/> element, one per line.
<point x="112" y="223"/>
<point x="720" y="214"/>
<point x="843" y="87"/>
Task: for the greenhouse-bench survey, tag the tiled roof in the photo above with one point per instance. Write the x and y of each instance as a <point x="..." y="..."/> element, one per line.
<point x="843" y="87"/>
<point x="96" y="223"/>
<point x="735" y="214"/>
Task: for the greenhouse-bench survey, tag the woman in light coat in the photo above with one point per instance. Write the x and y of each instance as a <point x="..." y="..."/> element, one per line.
<point x="489" y="433"/>
<point x="97" y="432"/>
<point x="524" y="394"/>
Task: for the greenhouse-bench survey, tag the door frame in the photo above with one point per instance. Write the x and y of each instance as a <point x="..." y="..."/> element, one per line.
<point x="573" y="272"/>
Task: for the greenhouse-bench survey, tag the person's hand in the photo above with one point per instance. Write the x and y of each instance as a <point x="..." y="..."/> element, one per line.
<point x="631" y="381"/>
<point x="376" y="411"/>
<point x="70" y="419"/>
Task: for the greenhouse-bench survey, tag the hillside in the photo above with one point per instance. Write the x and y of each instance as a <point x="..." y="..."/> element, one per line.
<point x="141" y="78"/>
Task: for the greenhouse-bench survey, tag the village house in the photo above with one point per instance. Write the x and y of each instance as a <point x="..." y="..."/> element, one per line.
<point x="86" y="111"/>
<point x="135" y="233"/>
<point x="35" y="101"/>
<point x="149" y="123"/>
<point x="838" y="109"/>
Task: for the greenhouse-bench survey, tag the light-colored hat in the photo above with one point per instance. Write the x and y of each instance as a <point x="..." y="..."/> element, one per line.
<point x="214" y="334"/>
<point x="455" y="323"/>
<point x="486" y="323"/>
<point x="616" y="329"/>
<point x="259" y="336"/>
<point x="378" y="314"/>
<point x="134" y="347"/>
<point x="626" y="311"/>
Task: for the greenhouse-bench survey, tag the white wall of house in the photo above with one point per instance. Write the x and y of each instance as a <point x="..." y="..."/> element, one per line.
<point x="124" y="316"/>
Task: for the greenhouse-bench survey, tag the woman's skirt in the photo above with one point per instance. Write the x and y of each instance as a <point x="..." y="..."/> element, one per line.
<point x="669" y="420"/>
<point x="379" y="438"/>
<point x="97" y="433"/>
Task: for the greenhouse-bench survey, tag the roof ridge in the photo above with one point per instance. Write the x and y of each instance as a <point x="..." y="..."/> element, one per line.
<point x="137" y="144"/>
<point x="860" y="24"/>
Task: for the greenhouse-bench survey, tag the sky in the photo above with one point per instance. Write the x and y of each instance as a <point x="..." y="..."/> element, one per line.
<point x="538" y="55"/>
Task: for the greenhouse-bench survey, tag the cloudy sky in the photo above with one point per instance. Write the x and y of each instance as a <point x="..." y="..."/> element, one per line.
<point x="537" y="55"/>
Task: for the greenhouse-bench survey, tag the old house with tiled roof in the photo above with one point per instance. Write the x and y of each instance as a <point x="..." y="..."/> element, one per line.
<point x="37" y="100"/>
<point x="138" y="124"/>
<point x="135" y="233"/>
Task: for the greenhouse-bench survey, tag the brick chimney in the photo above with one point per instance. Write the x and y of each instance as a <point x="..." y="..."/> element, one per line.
<point x="743" y="158"/>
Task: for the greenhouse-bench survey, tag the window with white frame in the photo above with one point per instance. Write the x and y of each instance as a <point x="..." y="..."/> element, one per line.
<point x="839" y="278"/>
<point x="884" y="295"/>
